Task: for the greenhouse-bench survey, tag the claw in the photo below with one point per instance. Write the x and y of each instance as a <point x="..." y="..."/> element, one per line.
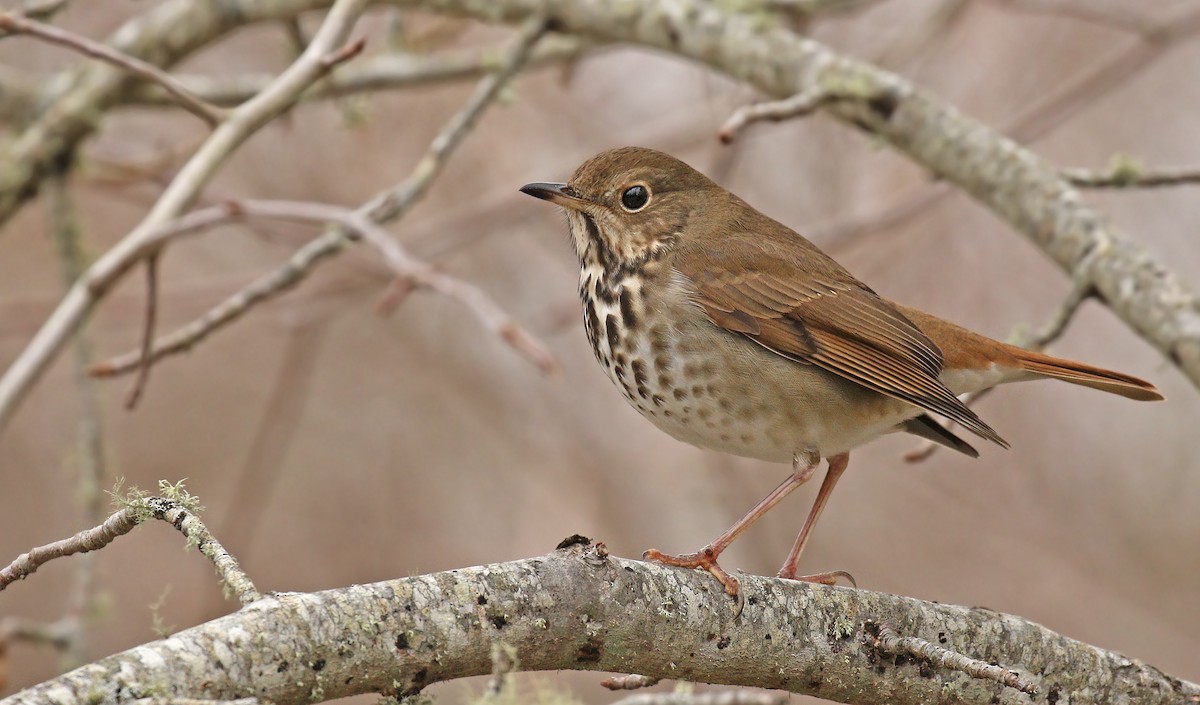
<point x="830" y="578"/>
<point x="705" y="559"/>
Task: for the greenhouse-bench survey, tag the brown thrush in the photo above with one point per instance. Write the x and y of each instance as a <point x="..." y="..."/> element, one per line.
<point x="730" y="331"/>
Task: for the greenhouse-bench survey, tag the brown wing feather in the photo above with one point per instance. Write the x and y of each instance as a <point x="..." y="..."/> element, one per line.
<point x="814" y="312"/>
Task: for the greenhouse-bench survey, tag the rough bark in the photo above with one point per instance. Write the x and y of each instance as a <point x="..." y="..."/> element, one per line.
<point x="578" y="609"/>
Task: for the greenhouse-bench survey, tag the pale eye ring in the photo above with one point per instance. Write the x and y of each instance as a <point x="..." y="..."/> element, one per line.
<point x="635" y="197"/>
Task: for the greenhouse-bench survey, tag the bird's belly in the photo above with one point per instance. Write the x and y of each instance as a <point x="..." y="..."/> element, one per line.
<point x="717" y="390"/>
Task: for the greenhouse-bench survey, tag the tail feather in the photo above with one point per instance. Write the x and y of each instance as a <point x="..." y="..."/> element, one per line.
<point x="1087" y="375"/>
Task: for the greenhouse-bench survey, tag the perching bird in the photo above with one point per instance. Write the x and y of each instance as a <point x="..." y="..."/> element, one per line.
<point x="730" y="331"/>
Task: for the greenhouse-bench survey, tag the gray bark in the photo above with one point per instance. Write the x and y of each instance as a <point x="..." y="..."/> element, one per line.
<point x="578" y="609"/>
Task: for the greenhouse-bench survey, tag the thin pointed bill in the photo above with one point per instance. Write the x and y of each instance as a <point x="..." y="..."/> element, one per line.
<point x="558" y="194"/>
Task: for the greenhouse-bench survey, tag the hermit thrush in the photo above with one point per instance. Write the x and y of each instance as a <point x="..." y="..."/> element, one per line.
<point x="730" y="331"/>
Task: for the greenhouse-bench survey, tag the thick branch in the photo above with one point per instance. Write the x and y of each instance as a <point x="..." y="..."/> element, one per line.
<point x="576" y="609"/>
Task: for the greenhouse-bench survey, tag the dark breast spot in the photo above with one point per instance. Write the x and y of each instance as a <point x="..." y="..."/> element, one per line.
<point x="639" y="373"/>
<point x="614" y="335"/>
<point x="591" y="322"/>
<point x="627" y="313"/>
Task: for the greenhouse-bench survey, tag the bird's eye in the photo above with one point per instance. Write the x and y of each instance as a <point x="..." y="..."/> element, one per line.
<point x="635" y="197"/>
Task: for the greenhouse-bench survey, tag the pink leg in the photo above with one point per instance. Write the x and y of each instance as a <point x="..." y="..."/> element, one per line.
<point x="706" y="557"/>
<point x="837" y="465"/>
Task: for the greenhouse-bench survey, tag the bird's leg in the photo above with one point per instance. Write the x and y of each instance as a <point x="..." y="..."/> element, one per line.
<point x="837" y="465"/>
<point x="706" y="558"/>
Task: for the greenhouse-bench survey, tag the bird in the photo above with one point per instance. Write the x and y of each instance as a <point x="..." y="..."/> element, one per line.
<point x="730" y="331"/>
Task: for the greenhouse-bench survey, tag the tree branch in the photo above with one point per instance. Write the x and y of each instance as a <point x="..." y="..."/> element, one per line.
<point x="178" y="510"/>
<point x="1124" y="172"/>
<point x="384" y="207"/>
<point x="182" y="191"/>
<point x="577" y="609"/>
<point x="382" y="72"/>
<point x="17" y="24"/>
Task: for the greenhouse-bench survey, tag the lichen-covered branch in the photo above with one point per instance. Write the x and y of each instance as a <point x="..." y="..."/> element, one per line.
<point x="178" y="511"/>
<point x="579" y="610"/>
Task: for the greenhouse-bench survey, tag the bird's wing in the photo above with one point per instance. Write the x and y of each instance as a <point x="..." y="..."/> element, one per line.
<point x="795" y="301"/>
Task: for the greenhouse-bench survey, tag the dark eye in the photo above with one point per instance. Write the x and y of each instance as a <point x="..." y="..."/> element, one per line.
<point x="634" y="198"/>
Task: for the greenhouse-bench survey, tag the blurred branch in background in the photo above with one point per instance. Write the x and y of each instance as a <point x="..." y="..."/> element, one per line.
<point x="327" y="48"/>
<point x="17" y="24"/>
<point x="385" y="207"/>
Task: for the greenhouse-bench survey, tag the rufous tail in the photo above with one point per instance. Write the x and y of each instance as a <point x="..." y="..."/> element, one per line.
<point x="1079" y="373"/>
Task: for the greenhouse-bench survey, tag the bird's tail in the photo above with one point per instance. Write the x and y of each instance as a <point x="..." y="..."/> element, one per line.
<point x="1079" y="373"/>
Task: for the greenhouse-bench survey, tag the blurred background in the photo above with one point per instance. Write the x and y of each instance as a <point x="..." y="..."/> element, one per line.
<point x="334" y="445"/>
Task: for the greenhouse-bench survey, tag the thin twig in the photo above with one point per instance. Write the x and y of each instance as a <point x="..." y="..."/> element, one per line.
<point x="172" y="511"/>
<point x="234" y="130"/>
<point x="884" y="637"/>
<point x="356" y="221"/>
<point x="139" y="384"/>
<point x="380" y="72"/>
<point x="265" y="288"/>
<point x="384" y="207"/>
<point x="631" y="681"/>
<point x="1124" y="172"/>
<point x="795" y="106"/>
<point x="19" y="24"/>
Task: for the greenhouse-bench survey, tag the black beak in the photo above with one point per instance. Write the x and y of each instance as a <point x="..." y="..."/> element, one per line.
<point x="558" y="194"/>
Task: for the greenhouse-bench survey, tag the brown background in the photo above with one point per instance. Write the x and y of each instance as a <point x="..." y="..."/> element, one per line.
<point x="332" y="445"/>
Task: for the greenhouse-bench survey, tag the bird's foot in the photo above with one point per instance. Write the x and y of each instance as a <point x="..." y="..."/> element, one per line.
<point x="830" y="578"/>
<point x="705" y="559"/>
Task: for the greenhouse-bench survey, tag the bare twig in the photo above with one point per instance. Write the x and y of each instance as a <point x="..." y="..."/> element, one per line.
<point x="139" y="384"/>
<point x="195" y="174"/>
<point x="380" y="72"/>
<point x="1124" y="172"/>
<point x="179" y="513"/>
<point x="18" y="24"/>
<point x="631" y="681"/>
<point x="883" y="637"/>
<point x="384" y="207"/>
<point x="796" y="106"/>
<point x="265" y="288"/>
<point x="357" y="221"/>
